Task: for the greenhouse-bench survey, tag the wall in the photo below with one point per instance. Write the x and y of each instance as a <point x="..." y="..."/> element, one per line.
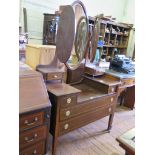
<point x="123" y="10"/>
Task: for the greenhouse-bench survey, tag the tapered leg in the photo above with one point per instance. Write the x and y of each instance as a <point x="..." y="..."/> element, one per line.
<point x="110" y="121"/>
<point x="54" y="144"/>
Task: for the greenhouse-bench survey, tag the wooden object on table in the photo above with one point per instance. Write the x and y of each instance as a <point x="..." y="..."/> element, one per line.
<point x="34" y="113"/>
<point x="127" y="142"/>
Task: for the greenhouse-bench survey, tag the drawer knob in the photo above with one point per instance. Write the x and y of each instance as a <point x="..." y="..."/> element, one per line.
<point x="55" y="76"/>
<point x="35" y="152"/>
<point x="32" y="139"/>
<point x="66" y="126"/>
<point x="69" y="100"/>
<point x="109" y="109"/>
<point x="68" y="113"/>
<point x="112" y="99"/>
<point x="31" y="123"/>
<point x="112" y="89"/>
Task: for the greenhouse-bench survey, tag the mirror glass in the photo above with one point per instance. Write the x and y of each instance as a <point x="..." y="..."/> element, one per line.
<point x="80" y="38"/>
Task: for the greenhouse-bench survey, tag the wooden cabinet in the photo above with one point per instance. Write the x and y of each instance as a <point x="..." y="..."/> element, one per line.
<point x="112" y="38"/>
<point x="50" y="29"/>
<point x="34" y="114"/>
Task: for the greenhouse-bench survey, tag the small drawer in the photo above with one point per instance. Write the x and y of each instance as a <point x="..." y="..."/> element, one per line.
<point x="54" y="76"/>
<point x="31" y="120"/>
<point x="32" y="136"/>
<point x="37" y="149"/>
<point x="67" y="101"/>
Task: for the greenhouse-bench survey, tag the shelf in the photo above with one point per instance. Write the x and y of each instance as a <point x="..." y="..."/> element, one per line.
<point x="114" y="46"/>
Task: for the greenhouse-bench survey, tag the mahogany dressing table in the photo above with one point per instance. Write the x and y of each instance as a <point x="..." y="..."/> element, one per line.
<point x="83" y="100"/>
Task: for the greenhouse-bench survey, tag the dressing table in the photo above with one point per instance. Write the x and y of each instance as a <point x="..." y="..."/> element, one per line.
<point x="83" y="100"/>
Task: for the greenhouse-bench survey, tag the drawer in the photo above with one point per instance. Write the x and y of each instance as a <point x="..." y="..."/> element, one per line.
<point x="126" y="82"/>
<point x="36" y="149"/>
<point x="32" y="136"/>
<point x="84" y="119"/>
<point x="31" y="120"/>
<point x="54" y="76"/>
<point x="87" y="106"/>
<point x="67" y="101"/>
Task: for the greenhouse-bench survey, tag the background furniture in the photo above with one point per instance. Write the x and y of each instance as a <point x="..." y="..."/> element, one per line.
<point x="39" y="55"/>
<point x="129" y="97"/>
<point x="127" y="142"/>
<point x="34" y="113"/>
<point x="113" y="37"/>
<point x="50" y="28"/>
<point x="126" y="91"/>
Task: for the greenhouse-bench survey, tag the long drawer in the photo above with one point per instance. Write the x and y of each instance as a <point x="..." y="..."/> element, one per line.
<point x="29" y="121"/>
<point x="36" y="149"/>
<point x="85" y="118"/>
<point x="32" y="136"/>
<point x="86" y="106"/>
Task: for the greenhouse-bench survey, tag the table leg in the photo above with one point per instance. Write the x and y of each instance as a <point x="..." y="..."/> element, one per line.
<point x="110" y="121"/>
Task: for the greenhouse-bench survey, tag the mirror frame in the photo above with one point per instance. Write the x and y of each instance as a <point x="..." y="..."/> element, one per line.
<point x="77" y="2"/>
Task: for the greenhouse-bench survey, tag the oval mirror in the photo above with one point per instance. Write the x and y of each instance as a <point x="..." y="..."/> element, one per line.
<point x="80" y="44"/>
<point x="65" y="33"/>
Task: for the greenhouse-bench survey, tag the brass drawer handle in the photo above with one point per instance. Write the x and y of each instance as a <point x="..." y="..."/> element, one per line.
<point x="110" y="109"/>
<point x="31" y="140"/>
<point x="35" y="152"/>
<point x="69" y="100"/>
<point x="31" y="123"/>
<point x="55" y="76"/>
<point x="68" y="113"/>
<point x="112" y="99"/>
<point x="66" y="126"/>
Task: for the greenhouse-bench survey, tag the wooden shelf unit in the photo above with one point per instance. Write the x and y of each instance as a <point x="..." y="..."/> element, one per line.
<point x="115" y="37"/>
